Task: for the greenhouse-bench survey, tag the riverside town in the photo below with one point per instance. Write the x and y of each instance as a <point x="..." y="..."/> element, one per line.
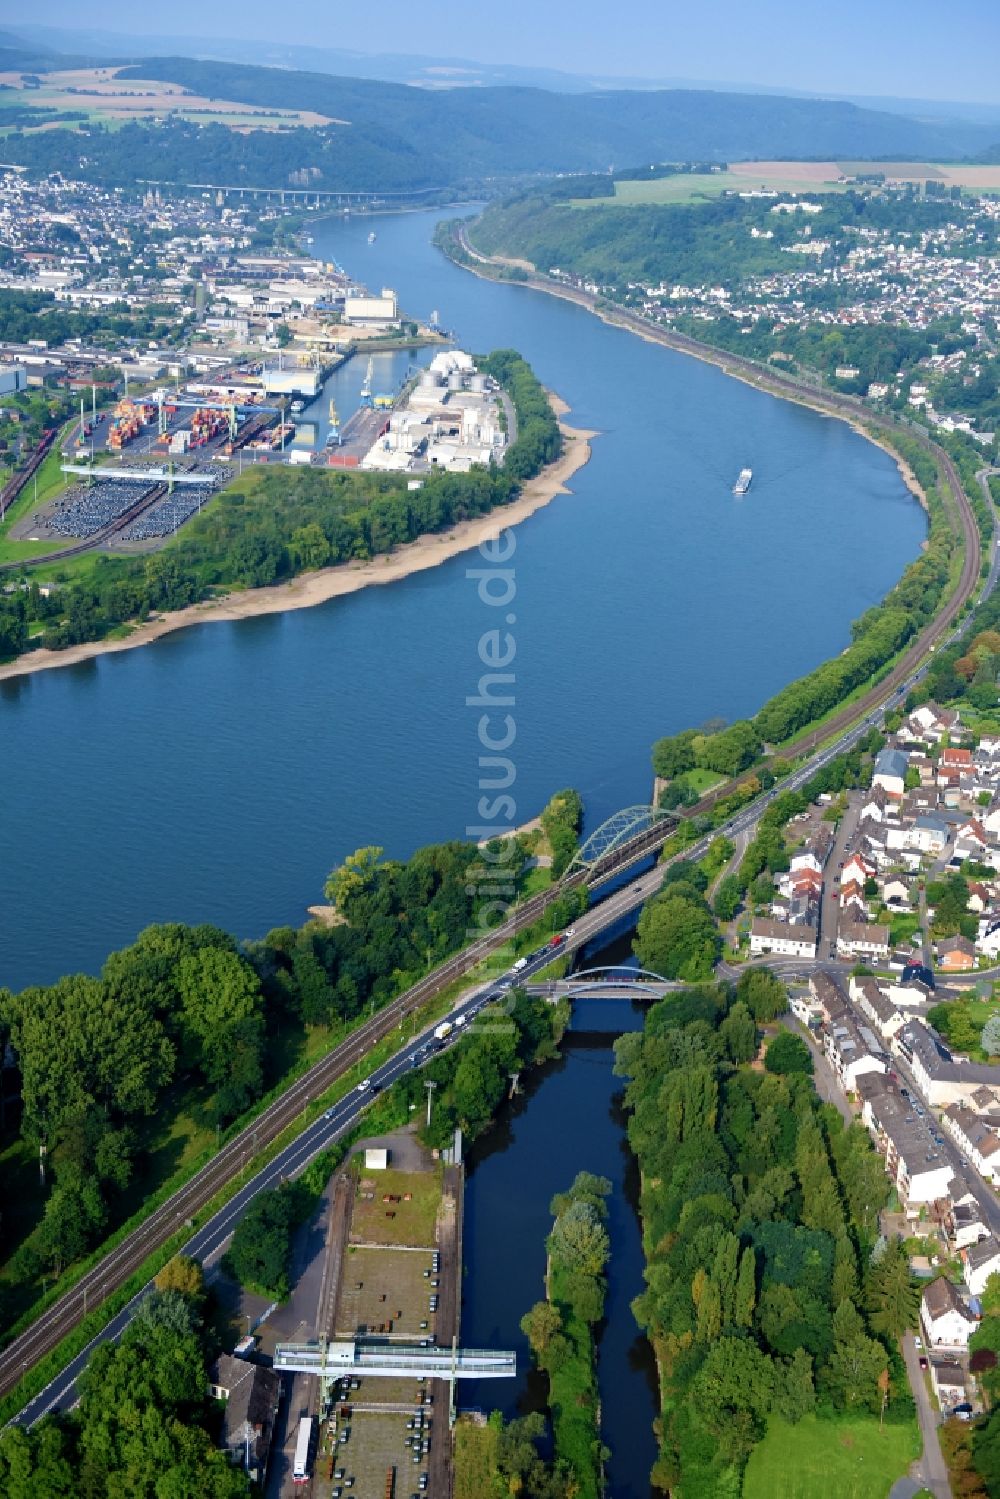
<point x="500" y="706"/>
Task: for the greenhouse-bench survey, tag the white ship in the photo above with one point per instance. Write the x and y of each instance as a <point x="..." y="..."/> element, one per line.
<point x="371" y="237"/>
<point x="744" y="481"/>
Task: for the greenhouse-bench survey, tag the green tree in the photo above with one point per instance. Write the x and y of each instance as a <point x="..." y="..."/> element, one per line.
<point x="221" y="1015"/>
<point x="543" y="1328"/>
<point x="183" y="1276"/>
<point x="739" y="1034"/>
<point x="891" y="1293"/>
<point x="259" y="1254"/>
<point x="764" y="995"/>
<point x="796" y="1396"/>
<point x="355" y="877"/>
<point x="676" y="935"/>
<point x="788" y="1054"/>
<point x="746" y="1289"/>
<point x="856" y="1363"/>
<point x="578" y="1241"/>
<point x="728" y="895"/>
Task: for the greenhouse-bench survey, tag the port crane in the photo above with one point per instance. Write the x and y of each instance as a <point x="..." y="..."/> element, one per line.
<point x="366" y="388"/>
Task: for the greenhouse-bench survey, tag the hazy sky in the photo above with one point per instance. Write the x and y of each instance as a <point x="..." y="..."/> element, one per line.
<point x="915" y="48"/>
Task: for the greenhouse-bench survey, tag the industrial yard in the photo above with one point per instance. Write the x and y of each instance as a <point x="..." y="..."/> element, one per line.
<point x="385" y="1248"/>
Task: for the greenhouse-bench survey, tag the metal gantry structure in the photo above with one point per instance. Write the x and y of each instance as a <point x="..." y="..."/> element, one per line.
<point x="615" y="831"/>
<point x="614" y="982"/>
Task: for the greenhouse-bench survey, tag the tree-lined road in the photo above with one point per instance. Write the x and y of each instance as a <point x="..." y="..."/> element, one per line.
<point x="840" y="732"/>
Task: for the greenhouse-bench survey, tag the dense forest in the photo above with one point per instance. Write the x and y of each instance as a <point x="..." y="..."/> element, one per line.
<point x="145" y="1424"/>
<point x="187" y="1025"/>
<point x="277" y="522"/>
<point x="400" y="138"/>
<point x="769" y="1294"/>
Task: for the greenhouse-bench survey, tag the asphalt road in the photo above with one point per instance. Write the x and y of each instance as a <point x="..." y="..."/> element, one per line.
<point x="53" y="1325"/>
<point x="929" y="1469"/>
<point x="210" y="1241"/>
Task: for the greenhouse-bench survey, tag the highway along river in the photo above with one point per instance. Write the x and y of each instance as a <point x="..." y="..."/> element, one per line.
<point x="218" y="774"/>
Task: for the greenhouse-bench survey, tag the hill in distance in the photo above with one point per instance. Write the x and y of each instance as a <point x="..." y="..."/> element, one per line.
<point x="397" y="138"/>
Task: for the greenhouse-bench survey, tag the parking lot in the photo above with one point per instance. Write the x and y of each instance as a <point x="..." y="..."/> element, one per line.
<point x="83" y="509"/>
<point x="379" y="1453"/>
<point x="387" y="1293"/>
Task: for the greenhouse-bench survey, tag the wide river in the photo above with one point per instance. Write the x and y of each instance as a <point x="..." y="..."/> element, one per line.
<point x="218" y="774"/>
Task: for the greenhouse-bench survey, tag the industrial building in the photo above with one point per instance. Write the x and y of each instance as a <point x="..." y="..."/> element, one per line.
<point x="13" y="377"/>
<point x="361" y="308"/>
<point x="451" y="420"/>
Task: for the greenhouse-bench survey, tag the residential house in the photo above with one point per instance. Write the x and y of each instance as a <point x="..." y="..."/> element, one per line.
<point x="768" y="936"/>
<point x="966" y="1222"/>
<point x="956" y="759"/>
<point x="975" y="1138"/>
<point x="971" y="840"/>
<point x="956" y="955"/>
<point x="926" y="834"/>
<point x="252" y="1394"/>
<point x="980" y="1261"/>
<point x="890" y="771"/>
<point x="896" y="892"/>
<point x="877" y="804"/>
<point x="856" y="870"/>
<point x="883" y="1013"/>
<point x="990" y="820"/>
<point x="945" y="1317"/>
<point x="859" y="940"/>
<point x="988" y="936"/>
<point x="948" y="1383"/>
<point x="920" y="1171"/>
<point x="939" y="1077"/>
<point x="853" y="903"/>
<point x="929" y="723"/>
<point x="911" y="994"/>
<point x="980" y="898"/>
<point x="853" y="1049"/>
<point x="828" y="995"/>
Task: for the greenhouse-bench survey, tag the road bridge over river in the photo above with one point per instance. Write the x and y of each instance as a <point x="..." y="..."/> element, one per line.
<point x="632" y="840"/>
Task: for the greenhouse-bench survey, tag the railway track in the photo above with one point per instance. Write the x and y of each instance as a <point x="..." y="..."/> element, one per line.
<point x="98" y="537"/>
<point x="115" y="1268"/>
<point x="837" y="405"/>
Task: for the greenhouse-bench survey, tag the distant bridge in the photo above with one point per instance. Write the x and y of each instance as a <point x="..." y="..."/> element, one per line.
<point x="385" y="1360"/>
<point x="306" y="194"/>
<point x="616" y="982"/>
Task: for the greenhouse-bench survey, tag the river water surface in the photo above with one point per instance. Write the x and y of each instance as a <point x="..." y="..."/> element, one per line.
<point x="218" y="774"/>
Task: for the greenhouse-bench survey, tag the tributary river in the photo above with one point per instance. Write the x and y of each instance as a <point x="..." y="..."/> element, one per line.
<point x="218" y="774"/>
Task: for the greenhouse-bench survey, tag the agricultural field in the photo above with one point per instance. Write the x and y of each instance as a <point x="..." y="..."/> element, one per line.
<point x="791" y="177"/>
<point x="100" y="95"/>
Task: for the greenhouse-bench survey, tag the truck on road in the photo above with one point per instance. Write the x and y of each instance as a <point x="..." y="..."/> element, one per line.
<point x="443" y="1031"/>
<point x="303" y="1447"/>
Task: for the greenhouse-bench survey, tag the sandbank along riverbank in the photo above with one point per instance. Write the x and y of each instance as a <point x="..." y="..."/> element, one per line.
<point x="309" y="589"/>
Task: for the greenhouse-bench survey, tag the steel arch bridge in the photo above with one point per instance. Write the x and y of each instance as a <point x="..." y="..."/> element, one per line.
<point x="640" y="983"/>
<point x="617" y="830"/>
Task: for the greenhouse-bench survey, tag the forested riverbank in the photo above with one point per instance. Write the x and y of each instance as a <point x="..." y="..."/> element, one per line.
<point x="764" y="1300"/>
<point x="130" y="1080"/>
<point x="273" y="525"/>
